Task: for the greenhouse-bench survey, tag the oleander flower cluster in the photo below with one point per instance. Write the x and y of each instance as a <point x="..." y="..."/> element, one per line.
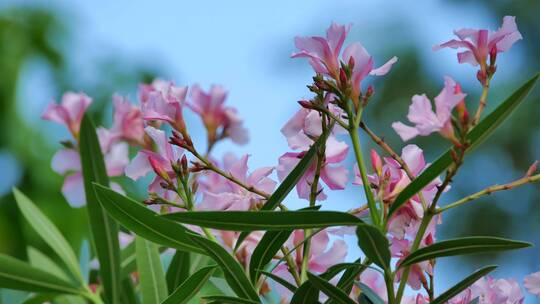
<point x="212" y="211"/>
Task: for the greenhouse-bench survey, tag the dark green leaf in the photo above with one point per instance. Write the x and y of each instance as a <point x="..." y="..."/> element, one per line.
<point x="49" y="233"/>
<point x="128" y="294"/>
<point x="475" y="137"/>
<point x="234" y="274"/>
<point x="128" y="257"/>
<point x="371" y="295"/>
<point x="346" y="281"/>
<point x="104" y="230"/>
<point x="265" y="220"/>
<point x="228" y="300"/>
<point x="462" y="246"/>
<point x="374" y="245"/>
<point x="190" y="287"/>
<point x="144" y="222"/>
<point x="463" y="284"/>
<point x="265" y="251"/>
<point x="15" y="274"/>
<point x="279" y="280"/>
<point x="151" y="275"/>
<point x="178" y="270"/>
<point x="330" y="290"/>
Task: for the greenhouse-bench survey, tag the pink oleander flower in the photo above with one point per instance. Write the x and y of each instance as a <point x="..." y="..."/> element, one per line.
<point x="418" y="299"/>
<point x="323" y="254"/>
<point x="128" y="123"/>
<point x="532" y="283"/>
<point x="500" y="291"/>
<point x="159" y="161"/>
<point x="220" y="193"/>
<point x="375" y="280"/>
<point x="219" y="120"/>
<point x="306" y="125"/>
<point x="426" y="121"/>
<point x="67" y="162"/>
<point x="244" y="252"/>
<point x="333" y="175"/>
<point x="163" y="101"/>
<point x="479" y="43"/>
<point x="400" y="248"/>
<point x="323" y="54"/>
<point x="69" y="112"/>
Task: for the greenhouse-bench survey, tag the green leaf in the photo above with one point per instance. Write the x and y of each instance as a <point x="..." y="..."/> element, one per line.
<point x="128" y="259"/>
<point x="39" y="260"/>
<point x="128" y="294"/>
<point x="265" y="220"/>
<point x="178" y="270"/>
<point x="190" y="287"/>
<point x="265" y="251"/>
<point x="462" y="246"/>
<point x="475" y="300"/>
<point x="346" y="281"/>
<point x="330" y="290"/>
<point x="49" y="233"/>
<point x="463" y="284"/>
<point x="374" y="245"/>
<point x="144" y="222"/>
<point x="151" y="275"/>
<point x="289" y="182"/>
<point x="104" y="230"/>
<point x="279" y="280"/>
<point x="475" y="137"/>
<point x="15" y="274"/>
<point x="228" y="300"/>
<point x="234" y="274"/>
<point x="371" y="295"/>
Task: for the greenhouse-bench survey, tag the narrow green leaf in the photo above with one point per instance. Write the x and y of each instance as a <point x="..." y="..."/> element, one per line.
<point x="234" y="274"/>
<point x="330" y="290"/>
<point x="128" y="258"/>
<point x="228" y="300"/>
<point x="265" y="251"/>
<point x="463" y="284"/>
<point x="478" y="134"/>
<point x="39" y="260"/>
<point x="151" y="275"/>
<point x="346" y="281"/>
<point x="190" y="287"/>
<point x="49" y="233"/>
<point x="374" y="245"/>
<point x="265" y="220"/>
<point x="462" y="246"/>
<point x="371" y="295"/>
<point x="128" y="294"/>
<point x="104" y="230"/>
<point x="143" y="221"/>
<point x="178" y="270"/>
<point x="15" y="274"/>
<point x="279" y="280"/>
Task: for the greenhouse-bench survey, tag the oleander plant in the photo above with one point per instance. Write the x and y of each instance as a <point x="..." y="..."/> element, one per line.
<point x="213" y="230"/>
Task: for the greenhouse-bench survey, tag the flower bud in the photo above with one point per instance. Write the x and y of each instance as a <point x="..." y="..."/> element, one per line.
<point x="351" y="63"/>
<point x="376" y="162"/>
<point x="343" y="79"/>
<point x="532" y="169"/>
<point x="159" y="169"/>
<point x="306" y="104"/>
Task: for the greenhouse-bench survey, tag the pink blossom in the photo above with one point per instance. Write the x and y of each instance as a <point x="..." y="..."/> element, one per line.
<point x="426" y="121"/>
<point x="400" y="248"/>
<point x="163" y="101"/>
<point x="375" y="280"/>
<point x="532" y="283"/>
<point x="418" y="299"/>
<point x="69" y="112"/>
<point x="479" y="43"/>
<point x="128" y="124"/>
<point x="500" y="291"/>
<point x="333" y="175"/>
<point x="323" y="53"/>
<point x="216" y="116"/>
<point x="220" y="193"/>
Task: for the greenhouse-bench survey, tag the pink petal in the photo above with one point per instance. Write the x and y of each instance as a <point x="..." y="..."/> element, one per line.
<point x="467" y="57"/>
<point x="414" y="158"/>
<point x="336" y="151"/>
<point x="336" y="35"/>
<point x="66" y="160"/>
<point x="405" y="132"/>
<point x="335" y="177"/>
<point x="73" y="190"/>
<point x="139" y="166"/>
<point x="532" y="283"/>
<point x="76" y="104"/>
<point x="385" y="68"/>
<point x="117" y="159"/>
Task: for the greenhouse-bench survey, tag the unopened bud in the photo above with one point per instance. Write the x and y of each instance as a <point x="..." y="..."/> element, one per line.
<point x="482" y="77"/>
<point x="306" y="104"/>
<point x="492" y="56"/>
<point x="197" y="167"/>
<point x="159" y="169"/>
<point x="184" y="166"/>
<point x="343" y="79"/>
<point x="376" y="162"/>
<point x="370" y="91"/>
<point x="532" y="169"/>
<point x="351" y="63"/>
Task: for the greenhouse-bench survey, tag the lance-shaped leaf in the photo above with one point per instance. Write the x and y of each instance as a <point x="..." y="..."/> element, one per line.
<point x="128" y="259"/>
<point x="144" y="222"/>
<point x="190" y="287"/>
<point x="289" y="182"/>
<point x="178" y="270"/>
<point x="374" y="245"/>
<point x="234" y="274"/>
<point x="462" y="246"/>
<point x="330" y="290"/>
<point x="151" y="275"/>
<point x="369" y="295"/>
<point x="15" y="274"/>
<point x="227" y="300"/>
<point x="279" y="280"/>
<point x="463" y="284"/>
<point x="478" y="134"/>
<point x="40" y="260"/>
<point x="346" y="281"/>
<point x="265" y="251"/>
<point x="104" y="230"/>
<point x="265" y="220"/>
<point x="49" y="233"/>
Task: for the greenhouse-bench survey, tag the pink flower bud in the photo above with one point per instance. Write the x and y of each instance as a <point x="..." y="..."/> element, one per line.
<point x="159" y="168"/>
<point x="532" y="169"/>
<point x="376" y="162"/>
